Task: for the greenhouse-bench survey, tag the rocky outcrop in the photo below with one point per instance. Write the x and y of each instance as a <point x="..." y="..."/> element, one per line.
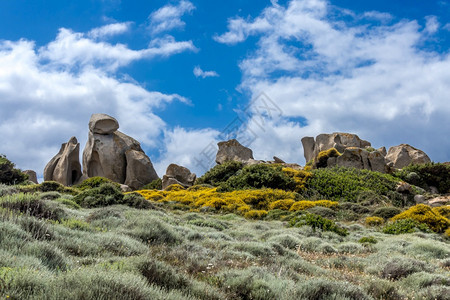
<point x="112" y="154"/>
<point x="403" y="155"/>
<point x="65" y="166"/>
<point x="176" y="174"/>
<point x="340" y="141"/>
<point x="233" y="150"/>
<point x="31" y="175"/>
<point x="360" y="159"/>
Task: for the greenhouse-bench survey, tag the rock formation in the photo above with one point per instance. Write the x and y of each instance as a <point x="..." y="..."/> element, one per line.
<point x="337" y="140"/>
<point x="176" y="174"/>
<point x="65" y="167"/>
<point x="402" y="155"/>
<point x="31" y="175"/>
<point x="110" y="153"/>
<point x="359" y="158"/>
<point x="233" y="150"/>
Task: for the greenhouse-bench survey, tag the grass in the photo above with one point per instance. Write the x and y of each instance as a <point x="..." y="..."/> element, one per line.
<point x="51" y="247"/>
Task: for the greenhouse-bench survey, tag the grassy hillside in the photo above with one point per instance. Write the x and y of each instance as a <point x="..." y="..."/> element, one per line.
<point x="326" y="234"/>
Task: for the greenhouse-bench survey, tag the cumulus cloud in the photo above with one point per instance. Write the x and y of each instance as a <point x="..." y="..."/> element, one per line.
<point x="169" y="17"/>
<point x="47" y="94"/>
<point x="198" y="72"/>
<point x="373" y="80"/>
<point x="194" y="149"/>
<point x="109" y="30"/>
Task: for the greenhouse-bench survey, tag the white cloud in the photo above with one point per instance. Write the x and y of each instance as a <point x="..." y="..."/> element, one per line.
<point x="73" y="50"/>
<point x="447" y="26"/>
<point x="169" y="17"/>
<point x="194" y="149"/>
<point x="48" y="94"/>
<point x="376" y="15"/>
<point x="198" y="72"/>
<point x="109" y="30"/>
<point x="371" y="80"/>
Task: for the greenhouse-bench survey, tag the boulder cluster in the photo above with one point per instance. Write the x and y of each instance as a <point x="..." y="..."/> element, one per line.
<point x="357" y="153"/>
<point x="112" y="154"/>
<point x="108" y="153"/>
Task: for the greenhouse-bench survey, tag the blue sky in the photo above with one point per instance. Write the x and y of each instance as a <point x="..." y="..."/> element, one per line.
<point x="177" y="73"/>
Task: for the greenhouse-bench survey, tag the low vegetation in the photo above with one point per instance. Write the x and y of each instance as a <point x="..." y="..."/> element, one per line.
<point x="237" y="234"/>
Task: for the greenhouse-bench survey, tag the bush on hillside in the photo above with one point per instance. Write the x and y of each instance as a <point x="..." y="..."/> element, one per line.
<point x="220" y="173"/>
<point x="426" y="175"/>
<point x="316" y="221"/>
<point x="258" y="177"/>
<point x="426" y="215"/>
<point x="9" y="174"/>
<point x="49" y="186"/>
<point x="93" y="182"/>
<point x="104" y="195"/>
<point x="386" y="212"/>
<point x="32" y="205"/>
<point x="154" y="185"/>
<point x="405" y="226"/>
<point x="341" y="183"/>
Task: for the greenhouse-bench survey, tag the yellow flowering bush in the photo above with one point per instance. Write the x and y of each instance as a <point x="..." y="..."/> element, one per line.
<point x="282" y="204"/>
<point x="255" y="214"/>
<point x="425" y="214"/>
<point x="443" y="211"/>
<point x="374" y="221"/>
<point x="305" y="204"/>
<point x="300" y="177"/>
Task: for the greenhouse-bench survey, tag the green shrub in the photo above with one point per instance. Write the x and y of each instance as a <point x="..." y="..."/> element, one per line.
<point x="49" y="195"/>
<point x="9" y="174"/>
<point x="258" y="177"/>
<point x="340" y="183"/>
<point x="367" y="240"/>
<point x="426" y="175"/>
<point x="405" y="226"/>
<point x="386" y="212"/>
<point x="324" y="289"/>
<point x="426" y="215"/>
<point x="104" y="195"/>
<point x="316" y="221"/>
<point x="322" y="211"/>
<point x="30" y="204"/>
<point x="136" y="200"/>
<point x="161" y="274"/>
<point x="220" y="173"/>
<point x="396" y="268"/>
<point x="209" y="223"/>
<point x="153" y="231"/>
<point x="49" y="186"/>
<point x="93" y="182"/>
<point x="154" y="185"/>
<point x="50" y="256"/>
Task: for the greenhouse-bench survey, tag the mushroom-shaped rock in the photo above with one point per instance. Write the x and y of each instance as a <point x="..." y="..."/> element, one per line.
<point x="112" y="154"/>
<point x="233" y="150"/>
<point x="65" y="166"/>
<point x="176" y="174"/>
<point x="403" y="155"/>
<point x="103" y="124"/>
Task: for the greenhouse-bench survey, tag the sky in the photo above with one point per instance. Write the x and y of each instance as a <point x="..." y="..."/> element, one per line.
<point x="180" y="76"/>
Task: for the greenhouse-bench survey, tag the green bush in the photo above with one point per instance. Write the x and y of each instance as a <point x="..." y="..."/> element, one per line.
<point x="367" y="240"/>
<point x="9" y="174"/>
<point x="104" y="195"/>
<point x="49" y="186"/>
<point x="426" y="175"/>
<point x="93" y="182"/>
<point x="405" y="226"/>
<point x="340" y="183"/>
<point x="161" y="274"/>
<point x="220" y="173"/>
<point x="386" y="212"/>
<point x="258" y="177"/>
<point x="136" y="200"/>
<point x="397" y="268"/>
<point x="316" y="221"/>
<point x="154" y="185"/>
<point x="30" y="204"/>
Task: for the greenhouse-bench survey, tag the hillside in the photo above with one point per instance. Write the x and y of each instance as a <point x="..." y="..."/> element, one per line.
<point x="233" y="235"/>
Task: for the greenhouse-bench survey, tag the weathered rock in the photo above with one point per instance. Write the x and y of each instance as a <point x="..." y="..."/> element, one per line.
<point x="359" y="158"/>
<point x="233" y="150"/>
<point x="125" y="188"/>
<point x="31" y="175"/>
<point x="439" y="201"/>
<point x="176" y="174"/>
<point x="103" y="124"/>
<point x="338" y="140"/>
<point x="115" y="155"/>
<point x="65" y="167"/>
<point x="404" y="155"/>
<point x="404" y="187"/>
<point x="419" y="199"/>
<point x="140" y="169"/>
<point x="278" y="160"/>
